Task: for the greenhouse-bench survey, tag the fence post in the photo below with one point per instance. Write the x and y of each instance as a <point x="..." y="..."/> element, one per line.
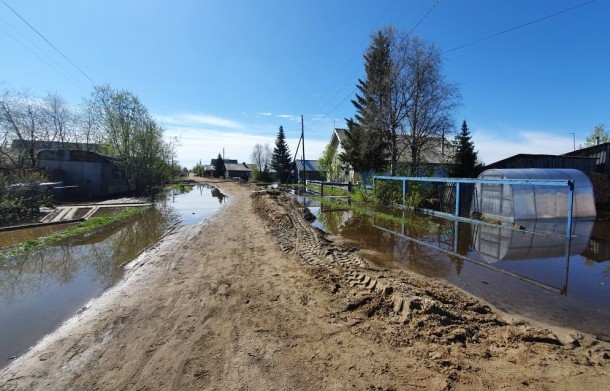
<point x="457" y="199"/>
<point x="570" y="207"/>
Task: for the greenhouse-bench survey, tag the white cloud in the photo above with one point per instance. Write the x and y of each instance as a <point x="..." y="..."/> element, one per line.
<point x="206" y="144"/>
<point x="288" y="116"/>
<point x="197" y="120"/>
<point x="494" y="146"/>
<point x="265" y="114"/>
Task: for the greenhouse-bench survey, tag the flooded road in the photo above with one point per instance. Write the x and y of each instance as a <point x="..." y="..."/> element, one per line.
<point x="41" y="289"/>
<point x="539" y="275"/>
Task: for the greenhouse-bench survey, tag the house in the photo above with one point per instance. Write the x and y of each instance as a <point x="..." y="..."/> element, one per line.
<point x="22" y="152"/>
<point x="241" y="171"/>
<point x="601" y="154"/>
<point x="435" y="159"/>
<point x="311" y="171"/>
<point x="208" y="170"/>
<point x="87" y="174"/>
<point x="522" y="160"/>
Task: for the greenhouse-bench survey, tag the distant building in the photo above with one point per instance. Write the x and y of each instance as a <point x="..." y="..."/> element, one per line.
<point x="311" y="171"/>
<point x="241" y="171"/>
<point x="22" y="153"/>
<point x="435" y="159"/>
<point x="601" y="154"/>
<point x="522" y="160"/>
<point x="85" y="173"/>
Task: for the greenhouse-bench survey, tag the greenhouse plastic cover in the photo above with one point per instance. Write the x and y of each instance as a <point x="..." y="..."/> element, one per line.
<point x="509" y="202"/>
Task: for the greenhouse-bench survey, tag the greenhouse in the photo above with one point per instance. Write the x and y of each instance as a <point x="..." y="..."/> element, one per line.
<point x="511" y="202"/>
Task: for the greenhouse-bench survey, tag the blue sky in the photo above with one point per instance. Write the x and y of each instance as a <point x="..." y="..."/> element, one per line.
<point x="226" y="74"/>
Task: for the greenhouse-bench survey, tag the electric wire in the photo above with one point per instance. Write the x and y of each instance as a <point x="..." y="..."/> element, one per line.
<point x="48" y="42"/>
<point x="410" y="31"/>
<point x="44" y="57"/>
<point x="520" y="26"/>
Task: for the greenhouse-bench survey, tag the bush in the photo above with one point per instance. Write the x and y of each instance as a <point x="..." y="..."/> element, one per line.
<point x="20" y="196"/>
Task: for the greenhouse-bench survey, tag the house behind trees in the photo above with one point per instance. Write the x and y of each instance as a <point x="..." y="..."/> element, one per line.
<point x="84" y="173"/>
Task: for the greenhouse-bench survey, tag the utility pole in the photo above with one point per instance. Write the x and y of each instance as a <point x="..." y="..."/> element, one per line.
<point x="573" y="140"/>
<point x="303" y="138"/>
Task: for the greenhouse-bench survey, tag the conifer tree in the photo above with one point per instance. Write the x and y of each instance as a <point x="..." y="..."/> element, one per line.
<point x="366" y="146"/>
<point x="280" y="160"/>
<point x="465" y="158"/>
<point x="219" y="168"/>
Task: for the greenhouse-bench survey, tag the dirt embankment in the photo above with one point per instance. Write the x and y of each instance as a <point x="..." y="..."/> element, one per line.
<point x="255" y="298"/>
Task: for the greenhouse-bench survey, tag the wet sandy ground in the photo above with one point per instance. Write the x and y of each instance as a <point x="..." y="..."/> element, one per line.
<point x="255" y="298"/>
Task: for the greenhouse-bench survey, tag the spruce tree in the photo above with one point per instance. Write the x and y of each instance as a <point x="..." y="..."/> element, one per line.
<point x="465" y="163"/>
<point x="280" y="160"/>
<point x="219" y="168"/>
<point x="367" y="142"/>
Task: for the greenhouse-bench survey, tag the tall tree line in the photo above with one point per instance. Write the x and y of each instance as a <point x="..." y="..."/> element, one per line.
<point x="403" y="106"/>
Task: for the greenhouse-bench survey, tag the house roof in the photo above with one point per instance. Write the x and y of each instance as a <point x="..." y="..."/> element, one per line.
<point x="310" y="165"/>
<point x="592" y="149"/>
<point x="339" y="135"/>
<point x="433" y="153"/>
<point x="243" y="167"/>
<point x="226" y="161"/>
<point x="74" y="155"/>
<point x="524" y="160"/>
<point x="40" y="145"/>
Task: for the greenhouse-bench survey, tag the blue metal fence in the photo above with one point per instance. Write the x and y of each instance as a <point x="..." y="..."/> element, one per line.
<point x="569" y="183"/>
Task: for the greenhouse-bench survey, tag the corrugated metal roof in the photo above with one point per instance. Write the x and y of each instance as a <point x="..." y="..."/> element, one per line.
<point x="310" y="165"/>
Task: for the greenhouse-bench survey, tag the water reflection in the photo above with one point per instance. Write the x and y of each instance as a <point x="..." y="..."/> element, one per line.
<point x="40" y="289"/>
<point x="534" y="272"/>
<point x="544" y="238"/>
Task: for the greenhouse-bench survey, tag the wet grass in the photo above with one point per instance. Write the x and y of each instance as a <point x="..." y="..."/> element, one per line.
<point x="411" y="219"/>
<point x="94" y="224"/>
<point x="330" y="191"/>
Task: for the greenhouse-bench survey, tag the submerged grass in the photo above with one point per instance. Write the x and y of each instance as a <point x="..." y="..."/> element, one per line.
<point x="87" y="227"/>
<point x="410" y="220"/>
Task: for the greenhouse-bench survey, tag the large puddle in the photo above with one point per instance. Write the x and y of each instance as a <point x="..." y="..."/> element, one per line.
<point x="42" y="289"/>
<point x="539" y="275"/>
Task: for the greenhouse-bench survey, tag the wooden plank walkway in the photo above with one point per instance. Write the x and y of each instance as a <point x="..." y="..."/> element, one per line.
<point x="69" y="213"/>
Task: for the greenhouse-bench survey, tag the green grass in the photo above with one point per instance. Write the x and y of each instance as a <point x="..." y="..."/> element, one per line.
<point x="94" y="224"/>
<point x="330" y="191"/>
<point x="411" y="220"/>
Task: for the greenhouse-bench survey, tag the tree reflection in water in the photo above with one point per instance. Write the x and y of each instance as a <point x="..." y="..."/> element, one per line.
<point x="217" y="194"/>
<point x="101" y="255"/>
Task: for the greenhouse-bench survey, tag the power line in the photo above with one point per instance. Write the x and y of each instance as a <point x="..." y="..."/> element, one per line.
<point x="424" y="17"/>
<point x="410" y="31"/>
<point x="48" y="42"/>
<point x="520" y="26"/>
<point x="43" y="56"/>
<point x="351" y="60"/>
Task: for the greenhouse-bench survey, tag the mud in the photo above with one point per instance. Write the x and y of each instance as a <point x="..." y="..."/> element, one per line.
<point x="256" y="298"/>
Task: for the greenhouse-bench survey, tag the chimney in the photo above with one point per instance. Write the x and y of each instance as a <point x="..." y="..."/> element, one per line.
<point x="597" y="140"/>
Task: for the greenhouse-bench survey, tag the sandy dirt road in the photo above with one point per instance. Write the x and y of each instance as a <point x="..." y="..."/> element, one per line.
<point x="256" y="299"/>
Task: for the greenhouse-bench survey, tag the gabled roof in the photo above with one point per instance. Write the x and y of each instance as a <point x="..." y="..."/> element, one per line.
<point x="243" y="167"/>
<point x="591" y="149"/>
<point x="339" y="135"/>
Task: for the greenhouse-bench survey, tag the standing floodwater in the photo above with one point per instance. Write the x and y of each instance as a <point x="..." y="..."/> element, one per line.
<point x="538" y="275"/>
<point x="41" y="289"/>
